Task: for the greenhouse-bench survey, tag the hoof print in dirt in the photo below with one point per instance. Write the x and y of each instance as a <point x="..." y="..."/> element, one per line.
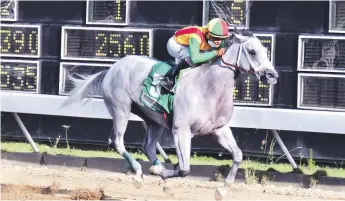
<point x="168" y="190"/>
<point x="220" y="193"/>
<point x="137" y="181"/>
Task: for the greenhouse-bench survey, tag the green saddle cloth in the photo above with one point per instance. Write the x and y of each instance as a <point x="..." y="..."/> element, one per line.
<point x="152" y="96"/>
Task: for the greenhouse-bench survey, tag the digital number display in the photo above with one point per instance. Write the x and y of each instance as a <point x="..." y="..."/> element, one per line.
<point x="21" y="76"/>
<point x="9" y="10"/>
<point x="319" y="53"/>
<point x="107" y="12"/>
<point x="248" y="89"/>
<point x="104" y="44"/>
<point x="321" y="91"/>
<point x="337" y="16"/>
<point x="233" y="12"/>
<point x="19" y="40"/>
<point x="65" y="85"/>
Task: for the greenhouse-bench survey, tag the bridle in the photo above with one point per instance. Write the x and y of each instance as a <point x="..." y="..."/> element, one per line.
<point x="254" y="68"/>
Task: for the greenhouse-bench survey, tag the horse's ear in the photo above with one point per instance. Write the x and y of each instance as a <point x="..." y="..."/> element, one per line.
<point x="236" y="37"/>
<point x="248" y="33"/>
<point x="240" y="37"/>
<point x="235" y="29"/>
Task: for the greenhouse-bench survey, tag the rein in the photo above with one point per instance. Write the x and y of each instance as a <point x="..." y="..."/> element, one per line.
<point x="236" y="66"/>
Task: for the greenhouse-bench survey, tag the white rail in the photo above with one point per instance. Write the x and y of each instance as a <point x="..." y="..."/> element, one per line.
<point x="243" y="117"/>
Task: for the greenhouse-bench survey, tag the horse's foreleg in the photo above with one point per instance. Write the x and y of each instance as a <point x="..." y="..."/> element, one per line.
<point x="227" y="140"/>
<point x="182" y="139"/>
<point x="154" y="132"/>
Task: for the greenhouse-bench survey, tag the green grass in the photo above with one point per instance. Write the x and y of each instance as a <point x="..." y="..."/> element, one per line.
<point x="195" y="160"/>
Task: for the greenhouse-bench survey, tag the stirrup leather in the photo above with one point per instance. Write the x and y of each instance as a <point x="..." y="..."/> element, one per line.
<point x="167" y="83"/>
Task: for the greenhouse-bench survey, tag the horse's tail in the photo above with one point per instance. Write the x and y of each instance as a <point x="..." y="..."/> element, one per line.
<point x="85" y="87"/>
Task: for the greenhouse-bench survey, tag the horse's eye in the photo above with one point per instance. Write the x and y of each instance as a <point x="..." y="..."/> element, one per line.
<point x="252" y="52"/>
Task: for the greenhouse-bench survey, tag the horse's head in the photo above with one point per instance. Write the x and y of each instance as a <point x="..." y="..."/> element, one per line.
<point x="247" y="53"/>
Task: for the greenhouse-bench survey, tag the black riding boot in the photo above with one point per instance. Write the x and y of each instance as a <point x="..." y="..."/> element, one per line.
<point x="168" y="82"/>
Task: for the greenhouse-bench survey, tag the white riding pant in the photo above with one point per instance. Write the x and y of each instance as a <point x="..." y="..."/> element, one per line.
<point x="177" y="51"/>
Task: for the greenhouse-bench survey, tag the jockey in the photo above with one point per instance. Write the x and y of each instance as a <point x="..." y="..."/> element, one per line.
<point x="194" y="45"/>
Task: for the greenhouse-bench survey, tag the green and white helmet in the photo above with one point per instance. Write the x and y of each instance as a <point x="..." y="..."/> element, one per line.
<point x="218" y="28"/>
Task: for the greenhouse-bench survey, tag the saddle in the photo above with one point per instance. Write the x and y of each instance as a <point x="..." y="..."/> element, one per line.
<point x="172" y="75"/>
<point x="156" y="96"/>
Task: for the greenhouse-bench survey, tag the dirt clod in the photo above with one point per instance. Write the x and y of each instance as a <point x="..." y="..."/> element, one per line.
<point x="87" y="194"/>
<point x="52" y="189"/>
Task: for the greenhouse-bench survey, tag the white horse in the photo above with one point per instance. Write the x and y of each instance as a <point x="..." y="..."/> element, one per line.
<point x="203" y="102"/>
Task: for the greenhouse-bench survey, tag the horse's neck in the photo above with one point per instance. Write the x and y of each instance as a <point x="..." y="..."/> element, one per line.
<point x="217" y="80"/>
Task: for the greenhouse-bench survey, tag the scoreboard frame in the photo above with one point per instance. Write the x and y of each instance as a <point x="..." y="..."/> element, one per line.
<point x="300" y="91"/>
<point x="62" y="74"/>
<point x="300" y="58"/>
<point x="331" y="18"/>
<point x="38" y="77"/>
<point x="206" y="10"/>
<point x="89" y="11"/>
<point x="16" y="11"/>
<point x="64" y="40"/>
<point x="39" y="42"/>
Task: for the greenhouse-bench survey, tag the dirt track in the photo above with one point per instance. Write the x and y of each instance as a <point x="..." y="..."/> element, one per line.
<point x="118" y="187"/>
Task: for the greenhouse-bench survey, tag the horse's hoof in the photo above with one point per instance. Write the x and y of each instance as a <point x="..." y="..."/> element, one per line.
<point x="138" y="181"/>
<point x="164" y="177"/>
<point x="156" y="169"/>
<point x="220" y="193"/>
<point x="166" y="174"/>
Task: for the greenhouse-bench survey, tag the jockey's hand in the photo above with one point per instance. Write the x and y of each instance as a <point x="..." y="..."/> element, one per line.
<point x="220" y="52"/>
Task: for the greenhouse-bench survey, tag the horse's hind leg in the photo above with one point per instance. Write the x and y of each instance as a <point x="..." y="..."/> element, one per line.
<point x="159" y="147"/>
<point x="227" y="140"/>
<point x="154" y="132"/>
<point x="120" y="115"/>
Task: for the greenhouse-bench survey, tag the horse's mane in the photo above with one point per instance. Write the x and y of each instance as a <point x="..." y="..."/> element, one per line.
<point x="241" y="32"/>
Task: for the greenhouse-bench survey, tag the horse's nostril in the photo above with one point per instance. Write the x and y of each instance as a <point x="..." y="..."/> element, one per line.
<point x="270" y="75"/>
